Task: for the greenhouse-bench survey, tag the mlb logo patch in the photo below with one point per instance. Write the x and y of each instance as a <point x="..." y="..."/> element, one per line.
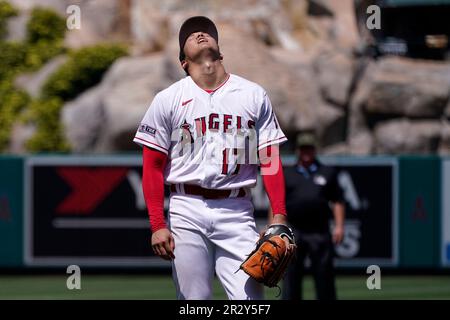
<point x="147" y="129"/>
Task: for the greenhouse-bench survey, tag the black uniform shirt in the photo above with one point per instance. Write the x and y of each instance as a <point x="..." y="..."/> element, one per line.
<point x="308" y="193"/>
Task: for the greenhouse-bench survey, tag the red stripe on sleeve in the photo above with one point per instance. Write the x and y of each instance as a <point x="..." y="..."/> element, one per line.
<point x="157" y="145"/>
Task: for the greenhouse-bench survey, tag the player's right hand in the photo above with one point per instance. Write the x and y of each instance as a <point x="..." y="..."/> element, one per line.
<point x="163" y="244"/>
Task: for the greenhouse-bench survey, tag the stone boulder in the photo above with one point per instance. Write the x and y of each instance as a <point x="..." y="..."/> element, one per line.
<point x="289" y="84"/>
<point x="407" y="136"/>
<point x="361" y="144"/>
<point x="152" y="21"/>
<point x="359" y="137"/>
<point x="335" y="72"/>
<point x="57" y="5"/>
<point x="113" y="110"/>
<point x="393" y="88"/>
<point x="20" y="134"/>
<point x="337" y="149"/>
<point x="88" y="110"/>
<point x="343" y="29"/>
<point x="330" y="127"/>
<point x="17" y="27"/>
<point x="33" y="83"/>
<point x="406" y="87"/>
<point x="149" y="27"/>
<point x="101" y="20"/>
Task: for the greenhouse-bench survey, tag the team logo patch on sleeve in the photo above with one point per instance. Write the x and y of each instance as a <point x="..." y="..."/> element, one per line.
<point x="147" y="129"/>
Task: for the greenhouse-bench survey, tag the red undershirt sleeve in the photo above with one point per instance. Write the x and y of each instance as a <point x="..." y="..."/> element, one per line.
<point x="154" y="163"/>
<point x="274" y="182"/>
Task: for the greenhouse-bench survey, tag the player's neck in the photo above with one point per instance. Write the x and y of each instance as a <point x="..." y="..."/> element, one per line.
<point x="208" y="74"/>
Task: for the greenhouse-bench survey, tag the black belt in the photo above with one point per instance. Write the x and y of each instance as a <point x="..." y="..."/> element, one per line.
<point x="194" y="190"/>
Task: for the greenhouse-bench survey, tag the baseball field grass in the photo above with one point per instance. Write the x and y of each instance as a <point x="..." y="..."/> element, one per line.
<point x="139" y="287"/>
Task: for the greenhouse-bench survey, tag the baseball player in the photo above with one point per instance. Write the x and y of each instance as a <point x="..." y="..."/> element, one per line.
<point x="200" y="136"/>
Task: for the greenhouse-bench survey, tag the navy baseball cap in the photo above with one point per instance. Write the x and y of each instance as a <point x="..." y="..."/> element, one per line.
<point x="195" y="24"/>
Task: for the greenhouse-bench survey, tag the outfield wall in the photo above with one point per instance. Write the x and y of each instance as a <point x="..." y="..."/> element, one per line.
<point x="90" y="211"/>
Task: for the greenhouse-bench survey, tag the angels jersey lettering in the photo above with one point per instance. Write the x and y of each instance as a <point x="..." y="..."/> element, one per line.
<point x="211" y="139"/>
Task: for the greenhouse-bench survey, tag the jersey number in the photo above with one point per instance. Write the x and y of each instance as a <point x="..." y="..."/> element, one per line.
<point x="225" y="153"/>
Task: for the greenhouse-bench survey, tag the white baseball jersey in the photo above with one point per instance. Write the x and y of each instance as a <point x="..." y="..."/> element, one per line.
<point x="211" y="138"/>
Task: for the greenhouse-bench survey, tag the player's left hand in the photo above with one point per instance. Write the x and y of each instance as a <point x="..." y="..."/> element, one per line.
<point x="338" y="234"/>
<point x="280" y="219"/>
<point x="268" y="262"/>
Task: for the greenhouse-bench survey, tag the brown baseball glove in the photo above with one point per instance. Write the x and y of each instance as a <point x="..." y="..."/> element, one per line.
<point x="268" y="262"/>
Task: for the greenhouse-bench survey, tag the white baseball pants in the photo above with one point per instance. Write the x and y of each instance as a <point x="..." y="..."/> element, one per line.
<point x="212" y="236"/>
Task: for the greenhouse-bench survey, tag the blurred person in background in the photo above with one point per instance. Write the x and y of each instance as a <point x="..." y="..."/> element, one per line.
<point x="313" y="195"/>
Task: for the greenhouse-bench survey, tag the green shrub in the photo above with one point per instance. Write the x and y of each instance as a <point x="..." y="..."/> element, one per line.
<point x="12" y="101"/>
<point x="45" y="25"/>
<point x="6" y="11"/>
<point x="84" y="69"/>
<point x="40" y="52"/>
<point x="12" y="57"/>
<point x="18" y="57"/>
<point x="49" y="131"/>
<point x="45" y="35"/>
